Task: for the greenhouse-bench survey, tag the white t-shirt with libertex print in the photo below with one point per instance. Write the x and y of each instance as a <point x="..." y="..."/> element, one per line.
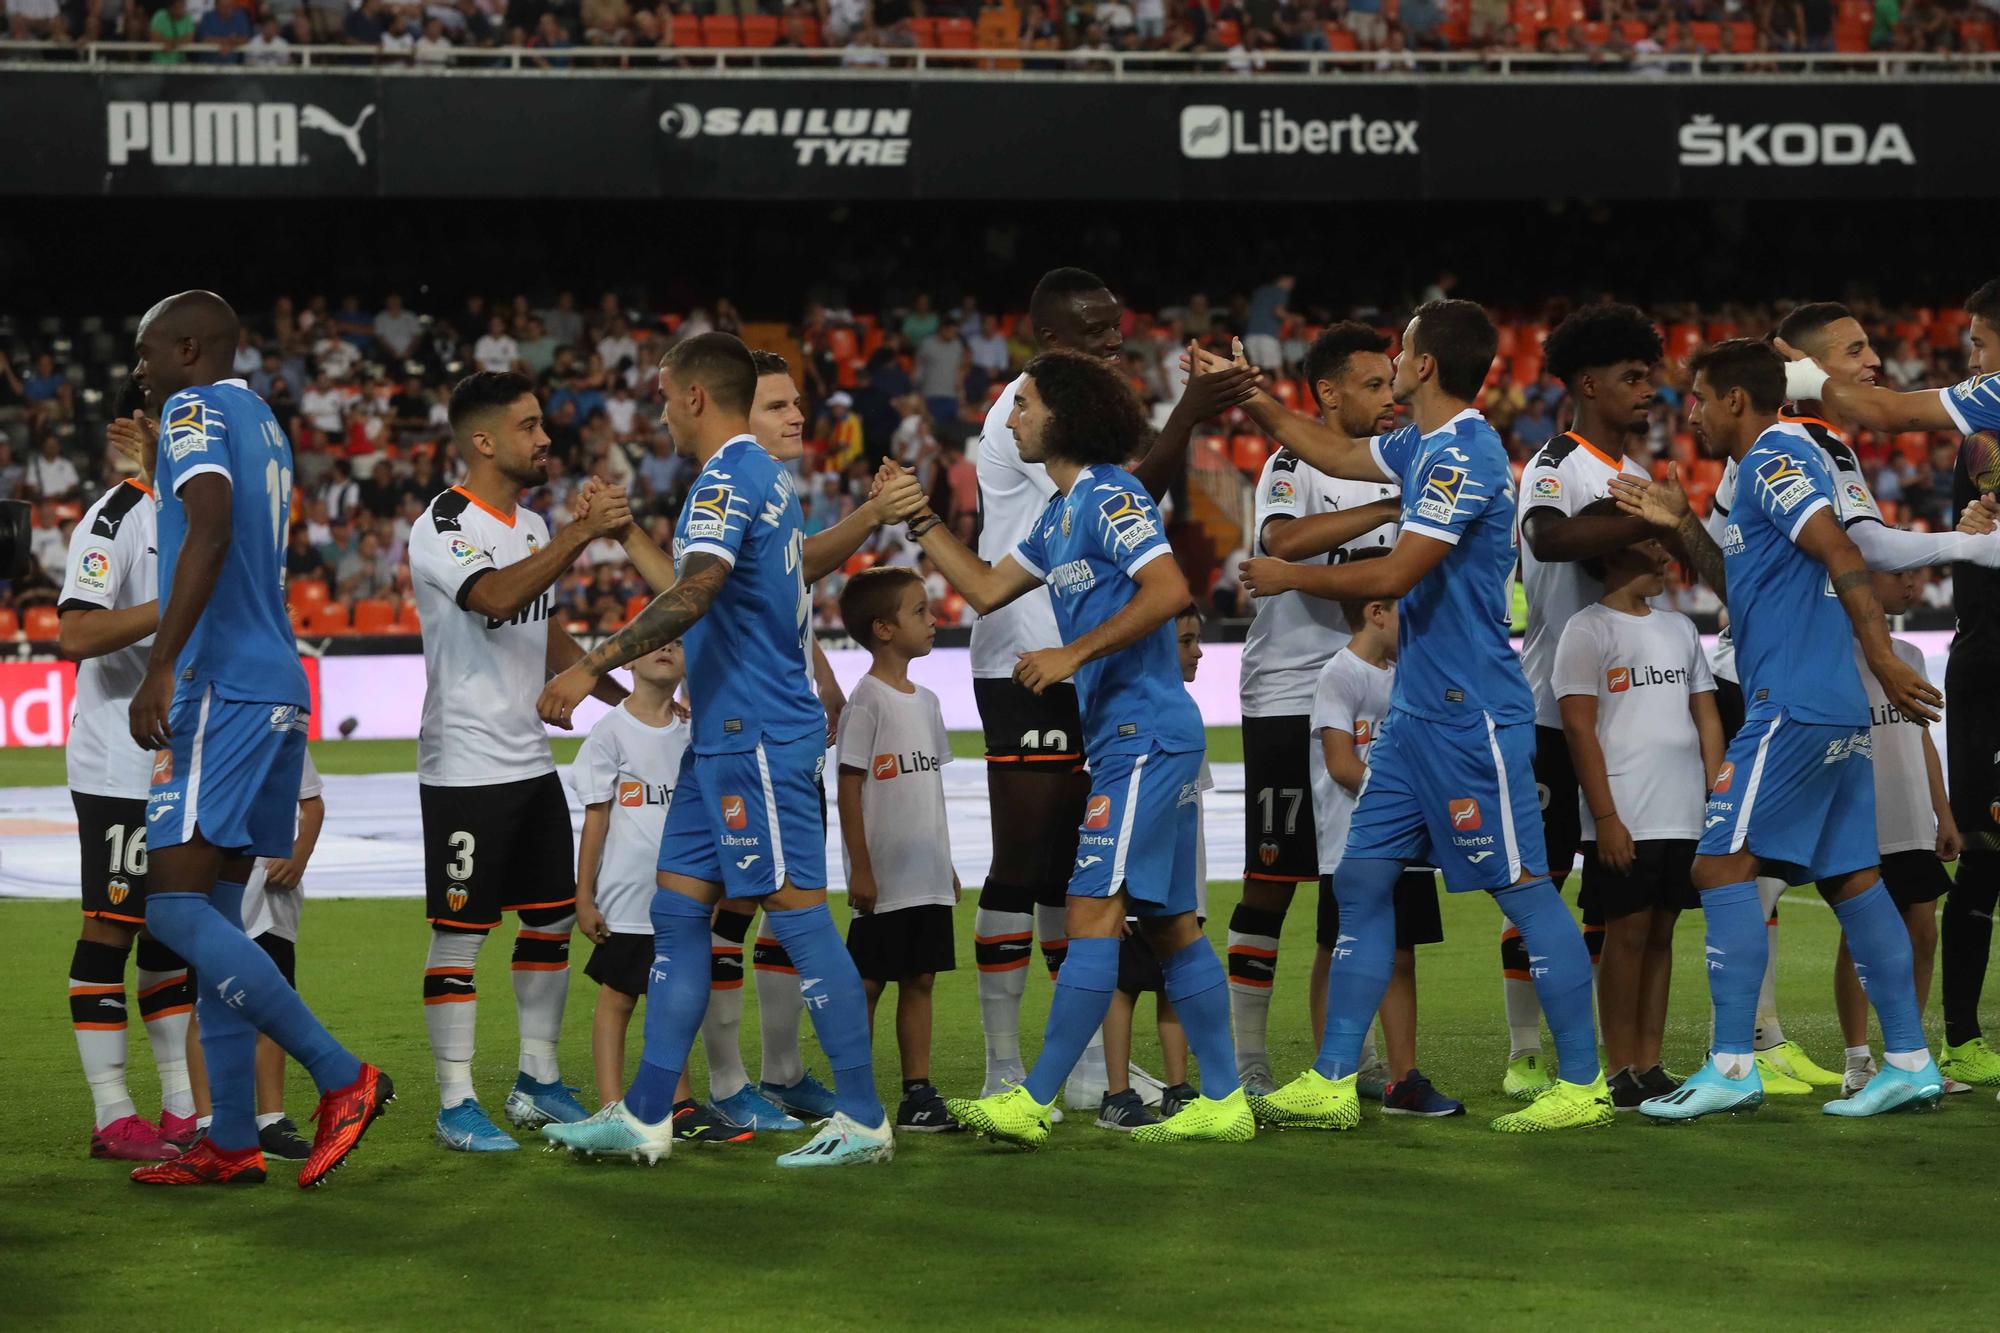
<point x="899" y="742"/>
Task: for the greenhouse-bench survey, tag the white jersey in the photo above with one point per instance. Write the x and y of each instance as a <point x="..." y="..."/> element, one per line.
<point x="1012" y="495"/>
<point x="1643" y="671"/>
<point x="1353" y="697"/>
<point x="898" y="742"/>
<point x="1293" y="634"/>
<point x="1567" y="476"/>
<point x="1853" y="502"/>
<point x="277" y="911"/>
<point x="481" y="678"/>
<point x="1904" y="820"/>
<point x="113" y="565"/>
<point x="632" y="766"/>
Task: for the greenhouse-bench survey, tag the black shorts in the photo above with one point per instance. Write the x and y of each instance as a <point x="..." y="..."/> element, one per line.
<point x="1972" y="750"/>
<point x="504" y="847"/>
<point x="888" y="946"/>
<point x="622" y="963"/>
<point x="1729" y="703"/>
<point x="112" y="833"/>
<point x="1280" y="835"/>
<point x="1914" y="878"/>
<point x="1418" y="920"/>
<point x="1660" y="880"/>
<point x="1038" y="731"/>
<point x="1555" y="781"/>
<point x="284" y="953"/>
<point x="1139" y="970"/>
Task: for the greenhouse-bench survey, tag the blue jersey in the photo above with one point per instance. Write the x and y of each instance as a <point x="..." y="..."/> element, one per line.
<point x="749" y="669"/>
<point x="1454" y="655"/>
<point x="243" y="645"/>
<point x="1974" y="403"/>
<point x="1794" y="645"/>
<point x="1086" y="546"/>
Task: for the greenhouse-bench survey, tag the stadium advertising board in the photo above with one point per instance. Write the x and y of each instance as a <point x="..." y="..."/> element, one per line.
<point x="1331" y="140"/>
<point x="38" y="701"/>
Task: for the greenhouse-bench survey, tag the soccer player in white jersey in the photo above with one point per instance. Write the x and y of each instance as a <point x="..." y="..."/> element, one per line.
<point x="1034" y="742"/>
<point x="1638" y="706"/>
<point x="1606" y="356"/>
<point x="1839" y="345"/>
<point x="1914" y="830"/>
<point x="109" y="606"/>
<point x="496" y="823"/>
<point x="1972" y="758"/>
<point x="1301" y="514"/>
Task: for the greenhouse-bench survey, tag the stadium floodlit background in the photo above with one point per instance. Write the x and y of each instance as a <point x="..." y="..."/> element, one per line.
<point x="392" y="195"/>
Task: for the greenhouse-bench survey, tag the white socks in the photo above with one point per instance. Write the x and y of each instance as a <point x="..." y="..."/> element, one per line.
<point x="780" y="1007"/>
<point x="1002" y="946"/>
<point x="541" y="989"/>
<point x="451" y="1010"/>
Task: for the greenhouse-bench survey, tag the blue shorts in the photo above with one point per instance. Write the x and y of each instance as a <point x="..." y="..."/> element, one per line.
<point x="1458" y="796"/>
<point x="1799" y="795"/>
<point x="750" y="820"/>
<point x="230" y="770"/>
<point x="1140" y="829"/>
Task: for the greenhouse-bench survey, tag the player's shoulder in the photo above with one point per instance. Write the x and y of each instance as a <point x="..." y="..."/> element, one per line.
<point x="1556" y="451"/>
<point x="109" y="513"/>
<point x="449" y="511"/>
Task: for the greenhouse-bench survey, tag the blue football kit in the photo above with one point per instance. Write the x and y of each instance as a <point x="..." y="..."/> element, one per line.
<point x="1142" y="734"/>
<point x="1797" y="787"/>
<point x="240" y="703"/>
<point x="747" y="811"/>
<point x="1451" y="776"/>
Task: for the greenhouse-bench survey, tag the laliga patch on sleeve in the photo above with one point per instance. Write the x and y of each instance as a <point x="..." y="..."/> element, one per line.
<point x="1784" y="482"/>
<point x="1126" y="519"/>
<point x="186" y="429"/>
<point x="1548" y="488"/>
<point x="1282" y="492"/>
<point x="465" y="552"/>
<point x="93" y="572"/>
<point x="708" y="511"/>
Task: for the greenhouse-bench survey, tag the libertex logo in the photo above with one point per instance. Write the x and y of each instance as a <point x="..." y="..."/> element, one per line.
<point x="1209" y="132"/>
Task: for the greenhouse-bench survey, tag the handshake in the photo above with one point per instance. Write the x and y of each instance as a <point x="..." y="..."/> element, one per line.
<point x="895" y="495"/>
<point x="603" y="509"/>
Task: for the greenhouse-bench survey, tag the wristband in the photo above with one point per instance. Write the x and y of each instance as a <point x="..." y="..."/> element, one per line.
<point x="1599" y="819"/>
<point x="1804" y="381"/>
<point x="917" y="527"/>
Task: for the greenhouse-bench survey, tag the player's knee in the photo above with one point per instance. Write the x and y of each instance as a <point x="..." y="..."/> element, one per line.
<point x="1715" y="872"/>
<point x="1263" y="895"/>
<point x="1095" y="918"/>
<point x="999" y="895"/>
<point x="116" y="934"/>
<point x="919" y="983"/>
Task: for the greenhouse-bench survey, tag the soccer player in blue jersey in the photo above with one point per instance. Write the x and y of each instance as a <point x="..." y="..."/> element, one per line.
<point x="1796" y="793"/>
<point x="1972" y="743"/>
<point x="1451" y="778"/>
<point x="745" y="820"/>
<point x="1102" y="550"/>
<point x="224" y="705"/>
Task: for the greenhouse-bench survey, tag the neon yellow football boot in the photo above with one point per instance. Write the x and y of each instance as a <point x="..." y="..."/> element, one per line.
<point x="1204" y="1120"/>
<point x="1563" y="1106"/>
<point x="1790" y="1059"/>
<point x="1526" y="1079"/>
<point x="1013" y="1116"/>
<point x="1310" y="1101"/>
<point x="1974" y="1062"/>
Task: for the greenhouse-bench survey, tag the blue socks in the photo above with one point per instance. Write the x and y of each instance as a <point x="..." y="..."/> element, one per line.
<point x="1737" y="951"/>
<point x="1198" y="988"/>
<point x="1880" y="944"/>
<point x="676" y="1002"/>
<point x="1559" y="962"/>
<point x="1362" y="961"/>
<point x="834" y="998"/>
<point x="242" y="993"/>
<point x="1083" y="997"/>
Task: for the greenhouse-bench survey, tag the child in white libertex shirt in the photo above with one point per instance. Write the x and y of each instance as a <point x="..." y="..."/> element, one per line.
<point x="897" y="847"/>
<point x="624" y="774"/>
<point x="1638" y="710"/>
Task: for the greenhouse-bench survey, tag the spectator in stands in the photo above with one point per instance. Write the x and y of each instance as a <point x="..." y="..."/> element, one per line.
<point x="942" y="360"/>
<point x="659" y="470"/>
<point x="840" y="19"/>
<point x="36" y="21"/>
<point x="1364" y="20"/>
<point x="397" y="330"/>
<point x="39" y="385"/>
<point x="380" y="494"/>
<point x="536" y="348"/>
<point x="269" y="47"/>
<point x="496" y="352"/>
<point x="1268" y="313"/>
<point x="839" y="432"/>
<point x="607" y="22"/>
<point x="52" y="477"/>
<point x="13" y="477"/>
<point x="328" y="19"/>
<point x="302" y="559"/>
<point x="1149" y="21"/>
<point x="1905" y="368"/>
<point x="617" y="351"/>
<point x="365" y="572"/>
<point x="342" y="494"/>
<point x="48" y="541"/>
<point x="961" y="483"/>
<point x="1227" y="597"/>
<point x="226" y="24"/>
<point x="364" y="23"/>
<point x="433" y="48"/>
<point x="988" y="347"/>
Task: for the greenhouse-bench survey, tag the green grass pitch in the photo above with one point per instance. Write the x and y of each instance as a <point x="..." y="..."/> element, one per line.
<point x="1785" y="1217"/>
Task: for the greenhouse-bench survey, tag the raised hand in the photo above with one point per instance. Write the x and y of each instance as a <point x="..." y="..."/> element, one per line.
<point x="135" y="438"/>
<point x="1662" y="504"/>
<point x="1267" y="576"/>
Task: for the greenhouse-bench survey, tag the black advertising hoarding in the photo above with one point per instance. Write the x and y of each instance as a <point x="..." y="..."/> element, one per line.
<point x="1337" y="139"/>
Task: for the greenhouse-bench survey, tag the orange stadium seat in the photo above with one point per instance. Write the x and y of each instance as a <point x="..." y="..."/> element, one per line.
<point x="1742" y="35"/>
<point x="42" y="622"/>
<point x="306" y="593"/>
<point x="957" y="34"/>
<point x="809" y="32"/>
<point x="1682" y="340"/>
<point x="1850" y="38"/>
<point x="10" y="624"/>
<point x="721" y="30"/>
<point x="1338" y="38"/>
<point x="636" y="603"/>
<point x="327" y="618"/>
<point x="687" y="30"/>
<point x="1527" y="367"/>
<point x="372" y="615"/>
<point x="1248" y="452"/>
<point x="1856" y="11"/>
<point x="1976" y="34"/>
<point x="406" y="619"/>
<point x="926" y="33"/>
<point x="1287" y="392"/>
<point x="1228" y="31"/>
<point x="1596" y="34"/>
<point x="1707" y="36"/>
<point x="1632" y="30"/>
<point x="760" y="30"/>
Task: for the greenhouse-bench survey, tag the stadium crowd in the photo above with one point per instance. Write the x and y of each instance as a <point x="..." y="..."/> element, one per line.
<point x="1235" y="34"/>
<point x="362" y="385"/>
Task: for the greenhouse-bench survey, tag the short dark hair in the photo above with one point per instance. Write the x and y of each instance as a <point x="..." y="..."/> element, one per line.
<point x="1058" y="286"/>
<point x="129" y="398"/>
<point x="719" y="363"/>
<point x="1191" y="609"/>
<point x="1462" y="340"/>
<point x="769" y="363"/>
<point x="1746" y="364"/>
<point x="1329" y="354"/>
<point x="872" y="595"/>
<point x="1600" y="335"/>
<point x="1806" y="320"/>
<point x="1094" y="417"/>
<point x="1985" y="303"/>
<point x="1356" y="608"/>
<point x="485" y="391"/>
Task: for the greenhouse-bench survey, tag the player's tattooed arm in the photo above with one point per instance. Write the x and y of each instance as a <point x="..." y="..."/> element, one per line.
<point x="206" y="499"/>
<point x="1664" y="506"/>
<point x="564" y="653"/>
<point x="665" y="619"/>
<point x="1822" y="538"/>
